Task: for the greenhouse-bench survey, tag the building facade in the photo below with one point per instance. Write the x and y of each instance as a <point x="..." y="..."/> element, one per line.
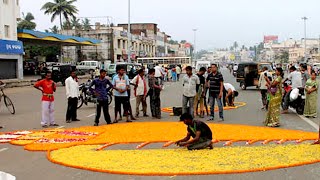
<point x="11" y="50"/>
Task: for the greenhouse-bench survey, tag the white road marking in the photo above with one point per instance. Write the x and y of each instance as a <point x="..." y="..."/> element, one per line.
<point x="311" y="123"/>
<point x="3" y="149"/>
<point x="60" y="127"/>
<point x="91" y="115"/>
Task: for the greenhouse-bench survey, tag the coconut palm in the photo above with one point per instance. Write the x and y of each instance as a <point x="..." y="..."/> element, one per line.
<point x="86" y="24"/>
<point x="75" y="23"/>
<point x="54" y="29"/>
<point x="27" y="22"/>
<point x="61" y="8"/>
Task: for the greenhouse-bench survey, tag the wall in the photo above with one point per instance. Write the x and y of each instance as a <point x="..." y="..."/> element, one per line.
<point x="8" y="16"/>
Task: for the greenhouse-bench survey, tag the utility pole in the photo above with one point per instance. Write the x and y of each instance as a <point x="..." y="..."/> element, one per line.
<point x="305" y="38"/>
<point x="194" y="43"/>
<point x="129" y="32"/>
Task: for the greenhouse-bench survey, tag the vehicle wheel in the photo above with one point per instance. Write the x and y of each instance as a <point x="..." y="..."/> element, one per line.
<point x="300" y="108"/>
<point x="9" y="104"/>
<point x="80" y="102"/>
<point x="109" y="99"/>
<point x="243" y="86"/>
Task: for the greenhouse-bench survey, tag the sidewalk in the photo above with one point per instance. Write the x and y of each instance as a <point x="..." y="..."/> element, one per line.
<point x="29" y="81"/>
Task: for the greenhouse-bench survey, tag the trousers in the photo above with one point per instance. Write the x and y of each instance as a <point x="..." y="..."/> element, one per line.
<point x="47" y="113"/>
<point x="212" y="100"/>
<point x="141" y="100"/>
<point x="185" y="101"/>
<point x="72" y="109"/>
<point x="105" y="107"/>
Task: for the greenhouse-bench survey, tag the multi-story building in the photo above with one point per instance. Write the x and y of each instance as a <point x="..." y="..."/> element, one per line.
<point x="11" y="50"/>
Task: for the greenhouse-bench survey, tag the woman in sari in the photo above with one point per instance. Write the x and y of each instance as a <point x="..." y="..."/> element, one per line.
<point x="154" y="93"/>
<point x="275" y="95"/>
<point x="311" y="89"/>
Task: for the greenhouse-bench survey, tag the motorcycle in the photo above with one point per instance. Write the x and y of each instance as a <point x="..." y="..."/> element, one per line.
<point x="297" y="97"/>
<point x="88" y="96"/>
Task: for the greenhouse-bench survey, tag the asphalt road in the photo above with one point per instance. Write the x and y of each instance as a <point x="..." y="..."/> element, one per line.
<point x="34" y="165"/>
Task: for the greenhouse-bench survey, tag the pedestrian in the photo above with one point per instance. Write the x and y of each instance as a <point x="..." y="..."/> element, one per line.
<point x="140" y="91"/>
<point x="158" y="73"/>
<point x="169" y="74"/>
<point x="154" y="93"/>
<point x="199" y="99"/>
<point x="199" y="131"/>
<point x="296" y="82"/>
<point x="263" y="86"/>
<point x="311" y="89"/>
<point x="229" y="93"/>
<point x="101" y="88"/>
<point x="128" y="104"/>
<point x="97" y="72"/>
<point x="72" y="92"/>
<point x="190" y="85"/>
<point x="47" y="88"/>
<point x="174" y="74"/>
<point x="275" y="94"/>
<point x="178" y="71"/>
<point x="304" y="74"/>
<point x="121" y="84"/>
<point x="215" y="85"/>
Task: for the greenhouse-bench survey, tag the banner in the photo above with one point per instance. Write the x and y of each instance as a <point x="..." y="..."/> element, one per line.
<point x="11" y="47"/>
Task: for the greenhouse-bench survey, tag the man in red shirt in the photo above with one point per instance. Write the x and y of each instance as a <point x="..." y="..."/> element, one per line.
<point x="47" y="87"/>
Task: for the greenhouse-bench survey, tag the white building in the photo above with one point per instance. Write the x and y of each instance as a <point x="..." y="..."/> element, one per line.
<point x="11" y="50"/>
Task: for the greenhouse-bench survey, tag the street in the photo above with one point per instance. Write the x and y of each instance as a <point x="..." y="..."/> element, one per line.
<point x="34" y="165"/>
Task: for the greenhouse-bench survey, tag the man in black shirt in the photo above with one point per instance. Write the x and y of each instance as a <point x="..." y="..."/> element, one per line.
<point x="215" y="85"/>
<point x="199" y="98"/>
<point x="199" y="131"/>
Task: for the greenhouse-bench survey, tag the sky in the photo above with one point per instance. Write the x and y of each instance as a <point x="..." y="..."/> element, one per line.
<point x="218" y="22"/>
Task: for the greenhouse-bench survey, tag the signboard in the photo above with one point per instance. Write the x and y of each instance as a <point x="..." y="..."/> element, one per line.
<point x="270" y="39"/>
<point x="11" y="47"/>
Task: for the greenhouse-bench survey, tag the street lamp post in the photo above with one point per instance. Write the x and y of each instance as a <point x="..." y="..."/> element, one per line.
<point x="129" y="32"/>
<point x="194" y="43"/>
<point x="305" y="37"/>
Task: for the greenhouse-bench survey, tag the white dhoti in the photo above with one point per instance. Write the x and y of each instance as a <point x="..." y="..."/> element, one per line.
<point x="47" y="113"/>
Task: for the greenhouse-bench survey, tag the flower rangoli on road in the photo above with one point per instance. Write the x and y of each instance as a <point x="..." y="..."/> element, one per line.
<point x="88" y="148"/>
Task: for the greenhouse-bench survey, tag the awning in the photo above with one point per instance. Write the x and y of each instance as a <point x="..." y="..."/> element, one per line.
<point x="37" y="37"/>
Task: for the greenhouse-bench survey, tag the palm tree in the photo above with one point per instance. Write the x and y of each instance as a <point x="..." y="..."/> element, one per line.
<point x="60" y="8"/>
<point x="75" y="23"/>
<point x="54" y="29"/>
<point x="86" y="24"/>
<point x="27" y="22"/>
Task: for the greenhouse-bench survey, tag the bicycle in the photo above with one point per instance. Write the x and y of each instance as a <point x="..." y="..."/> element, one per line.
<point x="7" y="100"/>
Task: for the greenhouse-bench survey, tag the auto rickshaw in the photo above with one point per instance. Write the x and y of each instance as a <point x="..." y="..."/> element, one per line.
<point x="60" y="72"/>
<point x="248" y="73"/>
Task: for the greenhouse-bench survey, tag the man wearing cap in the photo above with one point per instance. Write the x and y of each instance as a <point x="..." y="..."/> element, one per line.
<point x="198" y="130"/>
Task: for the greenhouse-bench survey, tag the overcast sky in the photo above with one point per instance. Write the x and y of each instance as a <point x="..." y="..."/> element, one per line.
<point x="219" y="22"/>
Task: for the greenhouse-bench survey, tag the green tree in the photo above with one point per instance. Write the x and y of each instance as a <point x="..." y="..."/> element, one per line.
<point x="86" y="24"/>
<point x="75" y="24"/>
<point x="183" y="41"/>
<point x="61" y="8"/>
<point x="27" y="22"/>
<point x="235" y="45"/>
<point x="54" y="29"/>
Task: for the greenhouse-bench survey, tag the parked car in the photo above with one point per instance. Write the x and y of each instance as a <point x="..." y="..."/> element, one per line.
<point x="88" y="66"/>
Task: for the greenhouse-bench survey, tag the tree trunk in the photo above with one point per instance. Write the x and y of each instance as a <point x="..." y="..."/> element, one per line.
<point x="61" y="22"/>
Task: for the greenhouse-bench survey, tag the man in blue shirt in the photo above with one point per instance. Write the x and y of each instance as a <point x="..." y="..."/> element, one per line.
<point x="102" y="87"/>
<point x="121" y="84"/>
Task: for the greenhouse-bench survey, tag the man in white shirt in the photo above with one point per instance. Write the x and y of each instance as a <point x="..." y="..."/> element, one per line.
<point x="262" y="86"/>
<point x="229" y="94"/>
<point x="72" y="92"/>
<point x="178" y="70"/>
<point x="191" y="84"/>
<point x="296" y="82"/>
<point x="159" y="73"/>
<point x="140" y="91"/>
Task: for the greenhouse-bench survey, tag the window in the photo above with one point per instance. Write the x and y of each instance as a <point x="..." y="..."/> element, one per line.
<point x="119" y="44"/>
<point x="6" y="31"/>
<point x="5" y="1"/>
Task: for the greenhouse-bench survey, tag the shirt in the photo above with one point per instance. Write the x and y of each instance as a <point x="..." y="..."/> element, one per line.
<point x="202" y="79"/>
<point x="305" y="76"/>
<point x="141" y="85"/>
<point x="262" y="81"/>
<point x="47" y="88"/>
<point x="215" y="82"/>
<point x="202" y="127"/>
<point x="178" y="69"/>
<point x="190" y="85"/>
<point x="228" y="86"/>
<point x="158" y="71"/>
<point x="72" y="88"/>
<point x="101" y="87"/>
<point x="120" y="83"/>
<point x="296" y="79"/>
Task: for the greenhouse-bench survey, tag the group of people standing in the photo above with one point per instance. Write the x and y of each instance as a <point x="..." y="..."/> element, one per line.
<point x="207" y="81"/>
<point x="272" y="92"/>
<point x="101" y="85"/>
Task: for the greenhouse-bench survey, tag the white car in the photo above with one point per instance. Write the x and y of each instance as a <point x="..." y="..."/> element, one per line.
<point x="88" y="66"/>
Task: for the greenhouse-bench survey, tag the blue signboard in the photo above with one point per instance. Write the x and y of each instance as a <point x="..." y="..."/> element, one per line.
<point x="11" y="47"/>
